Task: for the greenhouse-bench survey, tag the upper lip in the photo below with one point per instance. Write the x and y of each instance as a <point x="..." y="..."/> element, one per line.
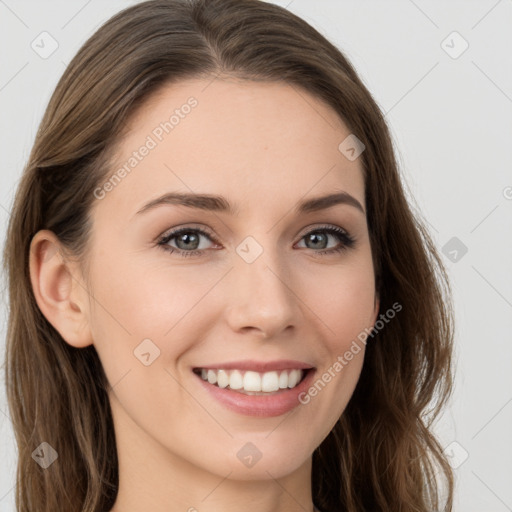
<point x="259" y="366"/>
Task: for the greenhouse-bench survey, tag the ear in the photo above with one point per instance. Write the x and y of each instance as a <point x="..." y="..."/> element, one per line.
<point x="61" y="297"/>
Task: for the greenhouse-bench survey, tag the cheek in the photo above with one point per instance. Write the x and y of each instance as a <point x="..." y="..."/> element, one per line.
<point x="135" y="302"/>
<point x="141" y="324"/>
<point x="344" y="308"/>
<point x="343" y="300"/>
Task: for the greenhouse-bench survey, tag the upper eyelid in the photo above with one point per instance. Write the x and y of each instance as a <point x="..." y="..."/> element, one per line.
<point x="172" y="232"/>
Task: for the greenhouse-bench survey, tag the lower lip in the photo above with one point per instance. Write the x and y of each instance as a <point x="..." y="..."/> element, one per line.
<point x="260" y="405"/>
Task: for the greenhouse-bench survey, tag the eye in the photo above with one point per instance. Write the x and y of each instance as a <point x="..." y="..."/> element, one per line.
<point x="188" y="240"/>
<point x="318" y="242"/>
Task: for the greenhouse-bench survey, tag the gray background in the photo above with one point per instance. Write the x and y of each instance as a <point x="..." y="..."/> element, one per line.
<point x="450" y="116"/>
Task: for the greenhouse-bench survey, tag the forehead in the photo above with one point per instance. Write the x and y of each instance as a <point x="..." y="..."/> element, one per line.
<point x="238" y="138"/>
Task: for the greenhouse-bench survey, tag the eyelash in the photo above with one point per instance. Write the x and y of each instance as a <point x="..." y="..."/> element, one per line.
<point x="346" y="239"/>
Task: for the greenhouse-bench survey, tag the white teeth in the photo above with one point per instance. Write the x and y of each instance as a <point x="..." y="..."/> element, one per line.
<point x="293" y="378"/>
<point x="222" y="379"/>
<point x="270" y="382"/>
<point x="253" y="382"/>
<point x="212" y="376"/>
<point x="235" y="380"/>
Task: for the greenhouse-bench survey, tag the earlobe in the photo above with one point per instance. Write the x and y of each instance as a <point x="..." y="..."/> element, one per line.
<point x="60" y="297"/>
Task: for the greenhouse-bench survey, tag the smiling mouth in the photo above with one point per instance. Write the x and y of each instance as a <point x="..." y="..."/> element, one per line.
<point x="251" y="382"/>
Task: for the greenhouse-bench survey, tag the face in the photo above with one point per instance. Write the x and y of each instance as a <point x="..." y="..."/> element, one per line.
<point x="250" y="297"/>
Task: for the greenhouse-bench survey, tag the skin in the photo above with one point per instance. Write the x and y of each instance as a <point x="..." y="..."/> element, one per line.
<point x="265" y="147"/>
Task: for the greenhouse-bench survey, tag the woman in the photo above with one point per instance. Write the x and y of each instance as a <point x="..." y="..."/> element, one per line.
<point x="176" y="340"/>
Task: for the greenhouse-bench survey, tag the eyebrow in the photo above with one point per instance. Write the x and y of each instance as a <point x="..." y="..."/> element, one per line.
<point x="221" y="204"/>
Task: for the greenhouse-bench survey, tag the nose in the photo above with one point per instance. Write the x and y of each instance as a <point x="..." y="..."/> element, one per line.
<point x="261" y="297"/>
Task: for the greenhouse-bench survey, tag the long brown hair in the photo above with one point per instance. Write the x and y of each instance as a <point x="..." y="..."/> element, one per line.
<point x="381" y="454"/>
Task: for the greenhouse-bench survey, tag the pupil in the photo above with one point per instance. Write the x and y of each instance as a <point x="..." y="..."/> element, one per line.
<point x="315" y="237"/>
<point x="185" y="237"/>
